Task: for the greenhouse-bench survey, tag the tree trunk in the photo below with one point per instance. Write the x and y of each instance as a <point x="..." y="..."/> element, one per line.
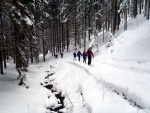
<point x="103" y="32"/>
<point x="4" y="52"/>
<point x="140" y="6"/>
<point x="113" y="16"/>
<point x="135" y="8"/>
<point x="1" y="62"/>
<point x="85" y="26"/>
<point x="1" y="36"/>
<point x="31" y="50"/>
<point x="145" y="13"/>
<point x="62" y="37"/>
<point x="43" y="40"/>
<point x="89" y="20"/>
<point x="67" y="37"/>
<point x="75" y="21"/>
<point x="2" y="40"/>
<point x="89" y="28"/>
<point x="148" y="8"/>
<point x="117" y="17"/>
<point x="106" y="21"/>
<point x="125" y="17"/>
<point x="13" y="46"/>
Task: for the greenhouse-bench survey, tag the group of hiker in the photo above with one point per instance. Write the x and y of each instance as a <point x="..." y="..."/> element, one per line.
<point x="56" y="56"/>
<point x="85" y="54"/>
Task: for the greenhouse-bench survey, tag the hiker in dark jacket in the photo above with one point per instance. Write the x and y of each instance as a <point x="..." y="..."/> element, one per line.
<point x="84" y="56"/>
<point x="89" y="54"/>
<point x="56" y="56"/>
<point x="74" y="56"/>
<point x="61" y="54"/>
<point x="79" y="54"/>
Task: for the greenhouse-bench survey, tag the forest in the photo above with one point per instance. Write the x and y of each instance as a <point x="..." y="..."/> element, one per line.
<point x="29" y="28"/>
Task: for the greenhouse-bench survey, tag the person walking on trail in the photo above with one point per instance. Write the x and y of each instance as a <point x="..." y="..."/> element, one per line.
<point x="79" y="54"/>
<point x="61" y="54"/>
<point x="84" y="56"/>
<point x="56" y="56"/>
<point x="89" y="54"/>
<point x="74" y="56"/>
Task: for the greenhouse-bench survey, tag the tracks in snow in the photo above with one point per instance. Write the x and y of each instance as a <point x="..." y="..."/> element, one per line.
<point x="135" y="102"/>
<point x="128" y="64"/>
<point x="79" y="104"/>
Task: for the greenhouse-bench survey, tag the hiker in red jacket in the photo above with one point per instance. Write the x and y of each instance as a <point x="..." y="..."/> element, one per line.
<point x="89" y="54"/>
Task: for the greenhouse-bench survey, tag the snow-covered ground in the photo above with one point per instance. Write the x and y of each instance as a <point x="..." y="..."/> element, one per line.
<point x="118" y="80"/>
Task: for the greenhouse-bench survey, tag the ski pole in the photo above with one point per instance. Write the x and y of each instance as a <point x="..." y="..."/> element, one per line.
<point x="93" y="60"/>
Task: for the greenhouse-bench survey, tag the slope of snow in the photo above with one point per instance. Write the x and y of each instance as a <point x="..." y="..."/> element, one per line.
<point x="127" y="64"/>
<point x="18" y="99"/>
<point x="116" y="82"/>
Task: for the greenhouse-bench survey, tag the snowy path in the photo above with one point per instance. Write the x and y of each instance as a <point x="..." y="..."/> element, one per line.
<point x="87" y="92"/>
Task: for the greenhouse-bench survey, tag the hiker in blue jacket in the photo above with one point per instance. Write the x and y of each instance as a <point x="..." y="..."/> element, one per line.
<point x="84" y="56"/>
<point x="79" y="54"/>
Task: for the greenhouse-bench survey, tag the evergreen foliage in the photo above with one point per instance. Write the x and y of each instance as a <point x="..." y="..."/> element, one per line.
<point x="31" y="27"/>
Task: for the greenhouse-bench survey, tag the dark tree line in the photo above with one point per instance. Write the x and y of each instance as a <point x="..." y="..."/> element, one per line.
<point x="31" y="27"/>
